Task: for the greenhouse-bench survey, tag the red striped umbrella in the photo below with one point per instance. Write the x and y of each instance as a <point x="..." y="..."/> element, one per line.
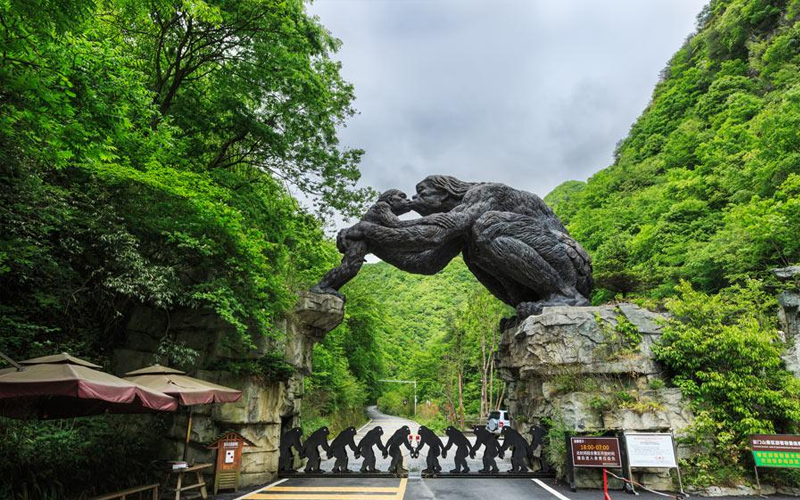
<point x="187" y="390"/>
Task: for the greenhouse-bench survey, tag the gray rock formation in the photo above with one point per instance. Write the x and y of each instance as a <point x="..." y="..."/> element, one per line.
<point x="789" y="315"/>
<point x="593" y="369"/>
<point x="266" y="407"/>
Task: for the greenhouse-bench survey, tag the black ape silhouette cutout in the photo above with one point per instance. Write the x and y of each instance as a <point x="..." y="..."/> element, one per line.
<point x="339" y="449"/>
<point x="463" y="448"/>
<point x="311" y="449"/>
<point x="398" y="439"/>
<point x="538" y="434"/>
<point x="435" y="447"/>
<point x="372" y="438"/>
<point x="520" y="449"/>
<point x="290" y="439"/>
<point x="491" y="450"/>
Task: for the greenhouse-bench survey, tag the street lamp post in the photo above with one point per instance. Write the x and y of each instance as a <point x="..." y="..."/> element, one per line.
<point x="405" y="382"/>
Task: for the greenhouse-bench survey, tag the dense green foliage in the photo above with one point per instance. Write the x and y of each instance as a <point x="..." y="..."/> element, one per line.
<point x="148" y="149"/>
<point x="723" y="351"/>
<point x="706" y="187"/>
<point x="145" y="147"/>
<point x="702" y="200"/>
<point x="431" y="331"/>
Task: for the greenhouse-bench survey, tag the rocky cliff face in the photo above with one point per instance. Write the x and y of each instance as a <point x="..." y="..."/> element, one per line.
<point x="789" y="316"/>
<point x="593" y="369"/>
<point x="266" y="407"/>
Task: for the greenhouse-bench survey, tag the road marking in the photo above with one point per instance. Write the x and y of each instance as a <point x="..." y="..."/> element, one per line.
<point x="551" y="490"/>
<point x="318" y="496"/>
<point x="360" y="428"/>
<point x="401" y="490"/>
<point x="374" y="489"/>
<point x="265" y="488"/>
<point x="275" y="492"/>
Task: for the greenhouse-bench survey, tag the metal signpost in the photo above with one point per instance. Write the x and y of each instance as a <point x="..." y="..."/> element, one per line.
<point x="405" y="382"/>
<point x="654" y="450"/>
<point x="778" y="450"/>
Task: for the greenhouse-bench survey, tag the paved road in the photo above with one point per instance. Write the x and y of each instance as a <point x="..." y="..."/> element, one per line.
<point x="361" y="488"/>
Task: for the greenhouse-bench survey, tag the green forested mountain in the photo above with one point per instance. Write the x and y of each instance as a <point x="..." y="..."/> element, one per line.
<point x="706" y="187"/>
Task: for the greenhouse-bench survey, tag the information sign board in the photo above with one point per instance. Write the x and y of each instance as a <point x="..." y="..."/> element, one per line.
<point x="779" y="450"/>
<point x="595" y="452"/>
<point x="650" y="449"/>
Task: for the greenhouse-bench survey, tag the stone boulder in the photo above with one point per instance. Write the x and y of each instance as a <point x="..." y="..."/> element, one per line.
<point x="593" y="369"/>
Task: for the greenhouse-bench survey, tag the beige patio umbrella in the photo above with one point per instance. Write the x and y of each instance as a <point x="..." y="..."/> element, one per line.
<point x="63" y="386"/>
<point x="187" y="390"/>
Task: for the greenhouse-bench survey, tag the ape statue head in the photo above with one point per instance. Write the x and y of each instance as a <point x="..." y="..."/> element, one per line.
<point x="451" y="431"/>
<point x="439" y="193"/>
<point x="397" y="201"/>
<point x="378" y="430"/>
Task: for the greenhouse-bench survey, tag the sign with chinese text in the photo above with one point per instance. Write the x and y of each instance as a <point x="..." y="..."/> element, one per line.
<point x="595" y="452"/>
<point x="779" y="450"/>
<point x="650" y="449"/>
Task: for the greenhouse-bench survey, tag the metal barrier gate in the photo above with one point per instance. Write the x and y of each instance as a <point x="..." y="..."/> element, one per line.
<point x="316" y="448"/>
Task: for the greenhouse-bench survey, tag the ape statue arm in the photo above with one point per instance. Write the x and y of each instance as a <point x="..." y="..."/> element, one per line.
<point x="448" y="446"/>
<point x="422" y="443"/>
<point x="352" y="445"/>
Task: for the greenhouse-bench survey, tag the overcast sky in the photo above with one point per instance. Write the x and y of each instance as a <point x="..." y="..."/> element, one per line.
<point x="526" y="92"/>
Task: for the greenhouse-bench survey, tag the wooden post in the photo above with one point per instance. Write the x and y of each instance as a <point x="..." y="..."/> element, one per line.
<point x="188" y="433"/>
<point x="570" y="466"/>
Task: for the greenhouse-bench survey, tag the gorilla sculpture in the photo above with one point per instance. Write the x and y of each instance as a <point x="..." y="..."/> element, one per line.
<point x="338" y="449"/>
<point x="435" y="447"/>
<point x="463" y="448"/>
<point x="520" y="449"/>
<point x="491" y="450"/>
<point x="290" y="439"/>
<point x="311" y="449"/>
<point x="372" y="438"/>
<point x="398" y="439"/>
<point x="510" y="240"/>
<point x="538" y="434"/>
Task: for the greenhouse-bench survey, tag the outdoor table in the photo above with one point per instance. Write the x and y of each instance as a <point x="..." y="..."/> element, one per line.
<point x="179" y="486"/>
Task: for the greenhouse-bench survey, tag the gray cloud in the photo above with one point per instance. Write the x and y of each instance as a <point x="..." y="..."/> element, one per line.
<point x="526" y="92"/>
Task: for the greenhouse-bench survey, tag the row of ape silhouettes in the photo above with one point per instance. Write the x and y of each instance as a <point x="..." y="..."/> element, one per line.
<point x="521" y="450"/>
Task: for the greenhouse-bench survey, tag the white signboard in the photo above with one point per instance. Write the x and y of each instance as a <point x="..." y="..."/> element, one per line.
<point x="650" y="450"/>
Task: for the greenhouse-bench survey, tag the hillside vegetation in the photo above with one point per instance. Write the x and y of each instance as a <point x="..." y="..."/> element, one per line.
<point x="706" y="187"/>
<point x="702" y="200"/>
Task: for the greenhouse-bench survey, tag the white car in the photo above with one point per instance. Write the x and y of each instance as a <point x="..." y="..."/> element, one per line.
<point x="497" y="420"/>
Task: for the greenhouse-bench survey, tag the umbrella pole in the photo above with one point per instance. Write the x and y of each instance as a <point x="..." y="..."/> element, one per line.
<point x="188" y="433"/>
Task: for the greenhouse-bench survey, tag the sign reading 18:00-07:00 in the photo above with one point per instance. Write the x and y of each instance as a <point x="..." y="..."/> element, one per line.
<point x="595" y="452"/>
<point x="779" y="450"/>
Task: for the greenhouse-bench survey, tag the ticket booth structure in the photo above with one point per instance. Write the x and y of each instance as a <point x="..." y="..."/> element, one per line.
<point x="228" y="465"/>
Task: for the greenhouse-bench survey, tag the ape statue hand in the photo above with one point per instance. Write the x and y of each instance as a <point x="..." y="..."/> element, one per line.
<point x="444" y="454"/>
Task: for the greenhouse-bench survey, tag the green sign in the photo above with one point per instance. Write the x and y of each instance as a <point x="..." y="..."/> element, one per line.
<point x="776" y="450"/>
<point x="777" y="459"/>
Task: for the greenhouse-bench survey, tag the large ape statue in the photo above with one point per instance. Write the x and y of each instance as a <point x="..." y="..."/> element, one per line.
<point x="520" y="449"/>
<point x="463" y="448"/>
<point x="435" y="447"/>
<point x="398" y="439"/>
<point x="372" y="438"/>
<point x="338" y="449"/>
<point x="491" y="450"/>
<point x="290" y="439"/>
<point x="311" y="449"/>
<point x="510" y="239"/>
